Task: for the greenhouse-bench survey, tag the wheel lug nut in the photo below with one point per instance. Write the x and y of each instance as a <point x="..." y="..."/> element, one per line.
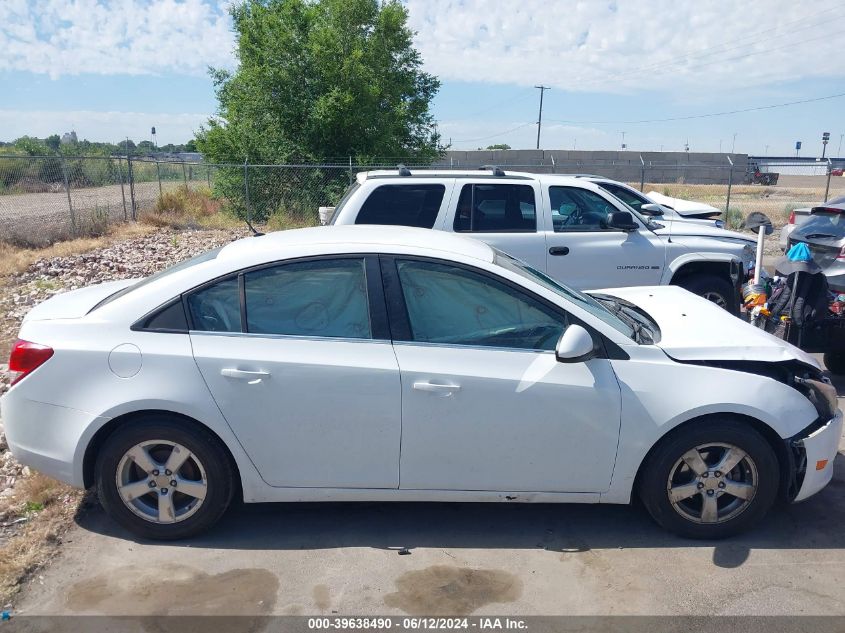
<point x="705" y="475"/>
<point x="152" y="484"/>
<point x="721" y="484"/>
<point x="155" y="473"/>
<point x="700" y="485"/>
<point x="709" y="493"/>
<point x="164" y="491"/>
<point x="173" y="483"/>
<point x="168" y="473"/>
<point x="718" y="474"/>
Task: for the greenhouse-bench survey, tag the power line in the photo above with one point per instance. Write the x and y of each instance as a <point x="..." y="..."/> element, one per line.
<point x="704" y="116"/>
<point x="484" y="138"/>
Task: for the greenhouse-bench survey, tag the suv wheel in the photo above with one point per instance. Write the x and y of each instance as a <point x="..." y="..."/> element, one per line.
<point x="835" y="362"/>
<point x="710" y="480"/>
<point x="162" y="478"/>
<point x="713" y="288"/>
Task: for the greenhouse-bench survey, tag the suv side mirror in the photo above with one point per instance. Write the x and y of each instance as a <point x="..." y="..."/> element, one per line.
<point x="622" y="220"/>
<point x="575" y="345"/>
<point x="651" y="209"/>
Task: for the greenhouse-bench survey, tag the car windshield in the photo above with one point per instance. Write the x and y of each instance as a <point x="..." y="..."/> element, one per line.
<point x="824" y="224"/>
<point x="199" y="259"/>
<point x="579" y="298"/>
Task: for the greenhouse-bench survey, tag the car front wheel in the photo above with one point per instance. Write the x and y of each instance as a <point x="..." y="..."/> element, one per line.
<point x="711" y="479"/>
<point x="163" y="478"/>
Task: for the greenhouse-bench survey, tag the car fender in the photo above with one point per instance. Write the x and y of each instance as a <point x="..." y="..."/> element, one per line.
<point x="650" y="411"/>
<point x="675" y="265"/>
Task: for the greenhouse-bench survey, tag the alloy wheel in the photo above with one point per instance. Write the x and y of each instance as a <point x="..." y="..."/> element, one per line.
<point x="161" y="481"/>
<point x="716" y="298"/>
<point x="712" y="483"/>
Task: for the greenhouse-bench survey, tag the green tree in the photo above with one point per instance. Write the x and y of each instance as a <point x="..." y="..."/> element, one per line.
<point x="53" y="141"/>
<point x="321" y="79"/>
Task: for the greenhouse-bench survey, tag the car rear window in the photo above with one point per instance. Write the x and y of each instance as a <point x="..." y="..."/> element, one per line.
<point x="824" y="224"/>
<point x="403" y="205"/>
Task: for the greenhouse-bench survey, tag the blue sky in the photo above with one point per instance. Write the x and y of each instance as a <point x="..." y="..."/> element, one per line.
<point x="113" y="68"/>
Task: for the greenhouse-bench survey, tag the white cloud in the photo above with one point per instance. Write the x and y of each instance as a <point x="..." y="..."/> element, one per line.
<point x="101" y="126"/>
<point x="69" y="37"/>
<point x="629" y="45"/>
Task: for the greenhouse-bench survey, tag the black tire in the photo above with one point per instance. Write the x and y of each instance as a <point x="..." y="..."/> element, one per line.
<point x="654" y="478"/>
<point x="205" y="447"/>
<point x="710" y="287"/>
<point x="835" y="362"/>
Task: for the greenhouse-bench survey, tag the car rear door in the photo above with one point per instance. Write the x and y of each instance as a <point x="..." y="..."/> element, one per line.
<point x="298" y="358"/>
<point x="505" y="213"/>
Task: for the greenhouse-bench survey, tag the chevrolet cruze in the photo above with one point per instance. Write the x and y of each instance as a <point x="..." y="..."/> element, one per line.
<point x="375" y="363"/>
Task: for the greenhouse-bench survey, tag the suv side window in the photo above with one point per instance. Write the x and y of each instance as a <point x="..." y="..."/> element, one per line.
<point x="625" y="195"/>
<point x="576" y="209"/>
<point x="402" y="205"/>
<point x="326" y="297"/>
<point x="486" y="208"/>
<point x="454" y="305"/>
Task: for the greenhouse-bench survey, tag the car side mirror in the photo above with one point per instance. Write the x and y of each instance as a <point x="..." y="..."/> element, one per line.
<point x="575" y="345"/>
<point x="651" y="209"/>
<point x="622" y="220"/>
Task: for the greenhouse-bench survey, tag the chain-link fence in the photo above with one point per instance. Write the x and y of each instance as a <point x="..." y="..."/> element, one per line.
<point x="47" y="198"/>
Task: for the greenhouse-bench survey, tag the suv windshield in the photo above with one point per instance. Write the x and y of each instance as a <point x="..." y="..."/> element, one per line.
<point x="582" y="300"/>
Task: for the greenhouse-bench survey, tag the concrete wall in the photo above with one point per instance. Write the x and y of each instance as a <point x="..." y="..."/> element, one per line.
<point x="662" y="167"/>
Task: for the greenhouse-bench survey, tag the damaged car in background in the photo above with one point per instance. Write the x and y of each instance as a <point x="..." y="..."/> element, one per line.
<point x="455" y="373"/>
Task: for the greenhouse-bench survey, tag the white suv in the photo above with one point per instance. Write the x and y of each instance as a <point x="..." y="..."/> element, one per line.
<point x="566" y="226"/>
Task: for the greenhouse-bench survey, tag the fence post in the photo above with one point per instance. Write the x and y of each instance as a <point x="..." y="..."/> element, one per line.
<point x="131" y="185"/>
<point x="730" y="182"/>
<point x="642" y="173"/>
<point x="158" y="173"/>
<point x="122" y="192"/>
<point x="208" y="175"/>
<point x="827" y="187"/>
<point x="246" y="192"/>
<point x="184" y="176"/>
<point x="552" y="156"/>
<point x="351" y="177"/>
<point x="69" y="203"/>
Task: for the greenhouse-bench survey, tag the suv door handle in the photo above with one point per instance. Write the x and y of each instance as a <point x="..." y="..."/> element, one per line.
<point x="430" y="387"/>
<point x="559" y="250"/>
<point x="239" y="374"/>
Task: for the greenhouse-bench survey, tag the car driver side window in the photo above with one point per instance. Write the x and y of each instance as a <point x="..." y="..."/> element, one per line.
<point x="453" y="305"/>
<point x="576" y="209"/>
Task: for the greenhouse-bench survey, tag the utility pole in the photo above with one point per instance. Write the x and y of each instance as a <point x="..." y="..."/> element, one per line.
<point x="839" y="151"/>
<point x="733" y="144"/>
<point x="542" y="89"/>
<point x="766" y="153"/>
<point x="623" y="142"/>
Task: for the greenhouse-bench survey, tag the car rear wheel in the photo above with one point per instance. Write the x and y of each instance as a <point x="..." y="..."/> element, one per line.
<point x="163" y="478"/>
<point x="713" y="288"/>
<point x="710" y="480"/>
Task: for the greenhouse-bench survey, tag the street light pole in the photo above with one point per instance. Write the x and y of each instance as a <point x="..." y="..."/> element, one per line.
<point x="733" y="144"/>
<point x="542" y="89"/>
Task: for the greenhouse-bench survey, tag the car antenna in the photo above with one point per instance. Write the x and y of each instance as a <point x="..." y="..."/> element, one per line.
<point x="255" y="232"/>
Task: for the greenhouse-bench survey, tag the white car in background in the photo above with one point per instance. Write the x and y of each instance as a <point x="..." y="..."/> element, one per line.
<point x="392" y="364"/>
<point x="797" y="217"/>
<point x="688" y="210"/>
<point x="573" y="229"/>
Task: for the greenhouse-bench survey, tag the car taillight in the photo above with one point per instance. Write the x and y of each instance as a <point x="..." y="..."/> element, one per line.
<point x="27" y="357"/>
<point x="791" y="217"/>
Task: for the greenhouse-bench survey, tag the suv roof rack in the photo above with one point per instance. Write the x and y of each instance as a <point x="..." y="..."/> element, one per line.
<point x="403" y="171"/>
<point x="496" y="170"/>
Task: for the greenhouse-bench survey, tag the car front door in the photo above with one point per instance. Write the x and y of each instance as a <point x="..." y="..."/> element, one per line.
<point x="585" y="253"/>
<point x="485" y="403"/>
<point x="503" y="214"/>
<point x="298" y="358"/>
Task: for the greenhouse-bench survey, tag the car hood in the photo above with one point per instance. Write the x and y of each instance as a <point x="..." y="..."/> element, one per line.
<point x="701" y="230"/>
<point x="75" y="303"/>
<point x="692" y="328"/>
<point x="683" y="207"/>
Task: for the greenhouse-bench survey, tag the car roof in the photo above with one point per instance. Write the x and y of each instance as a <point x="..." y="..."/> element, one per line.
<point x="487" y="174"/>
<point x="360" y="238"/>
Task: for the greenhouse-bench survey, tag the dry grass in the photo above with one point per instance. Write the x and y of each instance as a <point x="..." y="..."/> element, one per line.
<point x="15" y="259"/>
<point x="186" y="208"/>
<point x="48" y="508"/>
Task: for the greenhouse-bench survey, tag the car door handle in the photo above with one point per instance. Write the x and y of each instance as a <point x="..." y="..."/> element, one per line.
<point x="240" y="374"/>
<point x="432" y="387"/>
<point x="559" y="250"/>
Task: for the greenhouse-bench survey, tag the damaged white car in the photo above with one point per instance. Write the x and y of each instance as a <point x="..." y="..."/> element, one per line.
<point x="375" y="363"/>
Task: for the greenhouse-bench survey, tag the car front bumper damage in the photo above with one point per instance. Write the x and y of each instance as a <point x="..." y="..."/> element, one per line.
<point x="813" y="454"/>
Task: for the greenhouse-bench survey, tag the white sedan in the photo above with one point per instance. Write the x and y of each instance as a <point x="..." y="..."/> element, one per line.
<point x="391" y="364"/>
